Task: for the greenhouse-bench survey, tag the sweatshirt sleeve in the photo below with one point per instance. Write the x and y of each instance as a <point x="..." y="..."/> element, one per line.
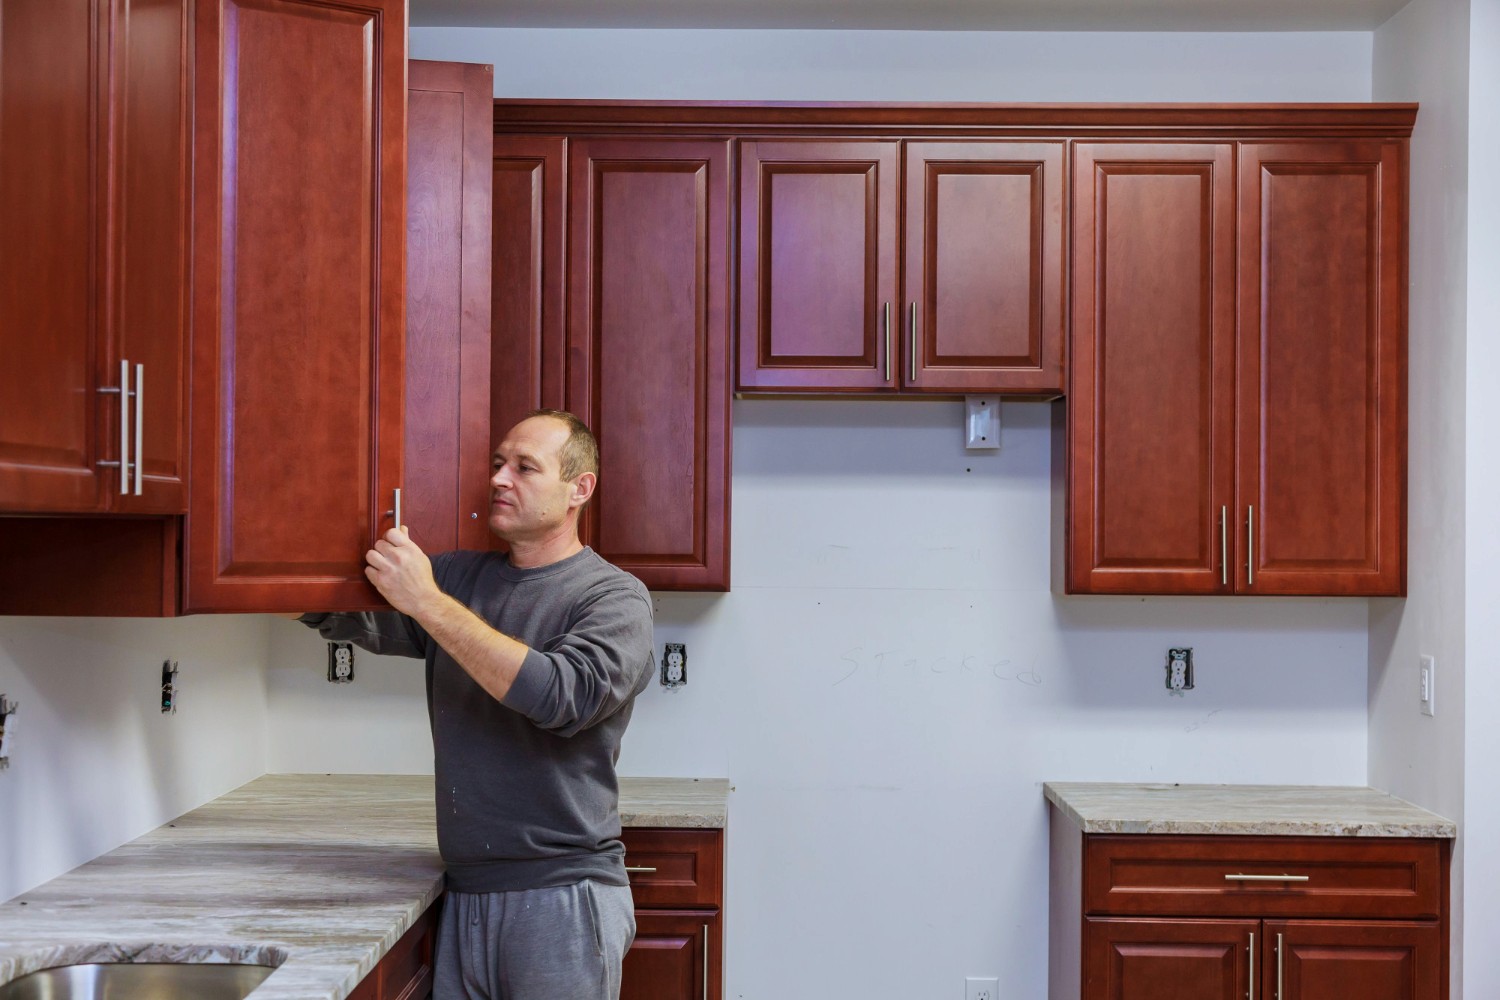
<point x="389" y="633"/>
<point x="585" y="675"/>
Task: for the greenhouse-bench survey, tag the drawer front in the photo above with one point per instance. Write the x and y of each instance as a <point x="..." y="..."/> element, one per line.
<point x="675" y="867"/>
<point x="1171" y="875"/>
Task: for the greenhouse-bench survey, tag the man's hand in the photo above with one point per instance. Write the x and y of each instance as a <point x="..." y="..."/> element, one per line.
<point x="402" y="573"/>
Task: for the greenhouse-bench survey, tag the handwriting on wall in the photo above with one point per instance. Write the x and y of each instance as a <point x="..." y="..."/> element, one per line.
<point x="860" y="663"/>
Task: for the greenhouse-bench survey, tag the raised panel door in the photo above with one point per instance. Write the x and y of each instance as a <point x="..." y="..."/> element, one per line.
<point x="983" y="304"/>
<point x="1322" y="373"/>
<point x="1126" y="959"/>
<point x="528" y="362"/>
<point x="818" y="265"/>
<point x="648" y="340"/>
<point x="676" y="955"/>
<point x="447" y="427"/>
<point x="53" y="205"/>
<point x="299" y="267"/>
<point x="1336" y="960"/>
<point x="1151" y="377"/>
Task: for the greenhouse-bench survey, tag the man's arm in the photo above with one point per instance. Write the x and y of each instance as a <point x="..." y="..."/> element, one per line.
<point x="402" y="573"/>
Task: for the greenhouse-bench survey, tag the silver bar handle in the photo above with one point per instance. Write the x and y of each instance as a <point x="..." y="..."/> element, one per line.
<point x="1250" y="548"/>
<point x="705" y="962"/>
<point x="913" y="365"/>
<point x="887" y="320"/>
<point x="1250" y="993"/>
<point x="1280" y="964"/>
<point x="1267" y="878"/>
<point x="639" y="870"/>
<point x="1224" y="546"/>
<point x="140" y="423"/>
<point x="398" y="507"/>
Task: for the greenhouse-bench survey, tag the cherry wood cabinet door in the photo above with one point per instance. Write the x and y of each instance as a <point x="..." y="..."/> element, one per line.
<point x="1151" y="377"/>
<point x="818" y="265"/>
<point x="983" y="309"/>
<point x="528" y="365"/>
<point x="1322" y="368"/>
<point x="298" y="327"/>
<point x="1371" y="960"/>
<point x="677" y="955"/>
<point x="1125" y="959"/>
<point x="447" y="453"/>
<point x="647" y="361"/>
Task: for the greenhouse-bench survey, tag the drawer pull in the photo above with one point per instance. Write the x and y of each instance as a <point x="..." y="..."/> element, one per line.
<point x="639" y="870"/>
<point x="1267" y="878"/>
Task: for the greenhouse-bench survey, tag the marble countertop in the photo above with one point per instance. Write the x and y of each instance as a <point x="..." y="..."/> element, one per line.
<point x="319" y="875"/>
<point x="1259" y="810"/>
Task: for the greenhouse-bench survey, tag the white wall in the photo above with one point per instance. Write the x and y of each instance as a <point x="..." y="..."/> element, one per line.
<point x="95" y="762"/>
<point x="1482" y="590"/>
<point x="1422" y="54"/>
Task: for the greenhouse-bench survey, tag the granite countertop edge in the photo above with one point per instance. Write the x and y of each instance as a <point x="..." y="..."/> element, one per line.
<point x="1243" y="810"/>
<point x="318" y="875"/>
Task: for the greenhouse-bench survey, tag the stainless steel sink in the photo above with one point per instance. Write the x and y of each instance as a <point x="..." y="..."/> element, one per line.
<point x="138" y="981"/>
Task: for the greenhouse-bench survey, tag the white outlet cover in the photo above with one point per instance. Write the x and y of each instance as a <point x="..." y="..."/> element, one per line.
<point x="1427" y="677"/>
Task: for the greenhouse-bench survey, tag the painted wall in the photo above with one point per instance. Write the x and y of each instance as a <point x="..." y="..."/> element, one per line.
<point x="95" y="762"/>
<point x="1422" y="54"/>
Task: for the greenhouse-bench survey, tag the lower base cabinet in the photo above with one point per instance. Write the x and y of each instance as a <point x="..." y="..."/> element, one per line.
<point x="1232" y="917"/>
<point x="677" y="879"/>
<point x="405" y="973"/>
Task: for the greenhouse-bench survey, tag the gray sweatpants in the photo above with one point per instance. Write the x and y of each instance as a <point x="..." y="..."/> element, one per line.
<point x="562" y="943"/>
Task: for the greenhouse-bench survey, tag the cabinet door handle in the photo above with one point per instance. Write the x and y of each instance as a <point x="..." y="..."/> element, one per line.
<point x="397" y="504"/>
<point x="887" y="321"/>
<point x="1250" y="547"/>
<point x="1224" y="546"/>
<point x="140" y="423"/>
<point x="913" y="366"/>
<point x="705" y="962"/>
<point x="1267" y="878"/>
<point x="1250" y="993"/>
<point x="639" y="870"/>
<point x="1279" y="965"/>
<point x="124" y="390"/>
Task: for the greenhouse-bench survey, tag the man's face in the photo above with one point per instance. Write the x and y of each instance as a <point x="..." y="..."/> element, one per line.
<point x="529" y="499"/>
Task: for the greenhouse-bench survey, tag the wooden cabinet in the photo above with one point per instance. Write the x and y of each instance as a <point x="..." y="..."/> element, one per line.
<point x="1271" y="918"/>
<point x="94" y="107"/>
<point x="643" y="354"/>
<point x="823" y="303"/>
<point x="446" y="501"/>
<point x="1260" y="452"/>
<point x="677" y="880"/>
<point x="299" y="221"/>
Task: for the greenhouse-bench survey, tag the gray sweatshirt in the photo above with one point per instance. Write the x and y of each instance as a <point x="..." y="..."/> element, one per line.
<point x="526" y="790"/>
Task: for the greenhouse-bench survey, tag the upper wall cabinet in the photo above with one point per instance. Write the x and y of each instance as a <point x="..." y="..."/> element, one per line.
<point x="298" y="329"/>
<point x="94" y="154"/>
<point x="824" y="245"/>
<point x="1257" y="453"/>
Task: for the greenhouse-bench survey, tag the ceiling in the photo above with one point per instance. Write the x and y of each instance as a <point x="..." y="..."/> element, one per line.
<point x="929" y="15"/>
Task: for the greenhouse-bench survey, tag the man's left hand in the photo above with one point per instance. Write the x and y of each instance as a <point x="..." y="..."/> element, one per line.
<point x="402" y="573"/>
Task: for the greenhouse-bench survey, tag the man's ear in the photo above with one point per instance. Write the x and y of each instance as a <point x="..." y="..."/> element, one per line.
<point x="583" y="489"/>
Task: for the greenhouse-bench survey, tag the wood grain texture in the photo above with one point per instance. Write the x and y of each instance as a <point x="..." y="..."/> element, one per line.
<point x="1166" y="959"/>
<point x="298" y="298"/>
<point x="983" y="244"/>
<point x="648" y="342"/>
<point x="667" y="959"/>
<point x="448" y="220"/>
<point x="1151" y="390"/>
<point x="1322" y="367"/>
<point x="1335" y="960"/>
<point x="818" y="265"/>
<point x="53" y="200"/>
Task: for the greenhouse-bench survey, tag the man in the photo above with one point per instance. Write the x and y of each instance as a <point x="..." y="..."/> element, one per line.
<point x="533" y="661"/>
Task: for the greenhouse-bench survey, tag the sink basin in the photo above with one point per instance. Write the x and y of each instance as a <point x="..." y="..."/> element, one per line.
<point x="138" y="981"/>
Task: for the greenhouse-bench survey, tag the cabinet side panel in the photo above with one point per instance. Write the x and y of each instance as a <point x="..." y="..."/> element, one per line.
<point x="299" y="323"/>
<point x="50" y="210"/>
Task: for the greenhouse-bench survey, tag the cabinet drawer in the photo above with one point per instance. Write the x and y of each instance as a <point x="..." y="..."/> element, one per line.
<point x="675" y="867"/>
<point x="1170" y="875"/>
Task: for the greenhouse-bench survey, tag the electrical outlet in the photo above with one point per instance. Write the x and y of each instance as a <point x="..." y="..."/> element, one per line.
<point x="7" y="730"/>
<point x="981" y="988"/>
<point x="1427" y="671"/>
<point x="674" y="665"/>
<point x="340" y="662"/>
<point x="168" y="687"/>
